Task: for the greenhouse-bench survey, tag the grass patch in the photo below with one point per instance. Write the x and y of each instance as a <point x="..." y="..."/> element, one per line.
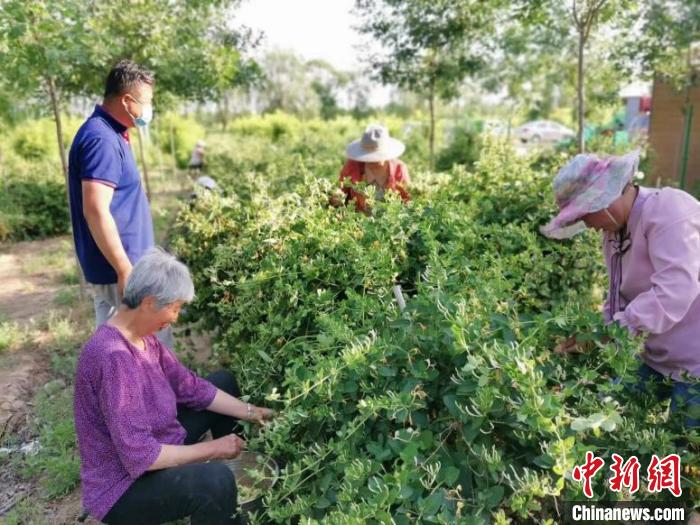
<point x="67" y="297"/>
<point x="26" y="511"/>
<point x="164" y="216"/>
<point x="66" y="333"/>
<point x="56" y="464"/>
<point x="43" y="263"/>
<point x="51" y="260"/>
<point x="69" y="276"/>
<point x="169" y="192"/>
<point x="12" y="336"/>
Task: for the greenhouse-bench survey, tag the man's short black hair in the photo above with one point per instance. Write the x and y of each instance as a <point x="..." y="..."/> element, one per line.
<point x="124" y="76"/>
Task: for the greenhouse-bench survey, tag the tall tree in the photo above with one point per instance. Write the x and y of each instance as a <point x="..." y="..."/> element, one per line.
<point x="327" y="82"/>
<point x="661" y="39"/>
<point x="42" y="53"/>
<point x="286" y="85"/>
<point x="585" y="15"/>
<point x="662" y="45"/>
<point x="578" y="20"/>
<point x="532" y="65"/>
<point x="54" y="49"/>
<point x="428" y="46"/>
<point x="536" y="60"/>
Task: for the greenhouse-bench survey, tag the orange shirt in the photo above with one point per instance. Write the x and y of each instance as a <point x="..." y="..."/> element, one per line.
<point x="355" y="171"/>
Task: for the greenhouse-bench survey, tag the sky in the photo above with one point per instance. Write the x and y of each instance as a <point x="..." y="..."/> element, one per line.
<point x="312" y="28"/>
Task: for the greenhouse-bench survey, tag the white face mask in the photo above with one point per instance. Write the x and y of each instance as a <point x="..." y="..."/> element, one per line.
<point x="146" y="117"/>
<point x="146" y="114"/>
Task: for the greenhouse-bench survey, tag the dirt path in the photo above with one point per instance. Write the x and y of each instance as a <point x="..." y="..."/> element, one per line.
<point x="38" y="291"/>
<point x="31" y="275"/>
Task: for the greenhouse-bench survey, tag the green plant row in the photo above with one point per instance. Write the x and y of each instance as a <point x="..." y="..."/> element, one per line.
<point x="453" y="410"/>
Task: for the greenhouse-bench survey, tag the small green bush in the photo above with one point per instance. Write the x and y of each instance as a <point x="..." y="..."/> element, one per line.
<point x="36" y="139"/>
<point x="182" y="132"/>
<point x="463" y="150"/>
<point x="31" y="209"/>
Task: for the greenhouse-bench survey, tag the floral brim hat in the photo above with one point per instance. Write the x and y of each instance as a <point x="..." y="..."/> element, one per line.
<point x="586" y="185"/>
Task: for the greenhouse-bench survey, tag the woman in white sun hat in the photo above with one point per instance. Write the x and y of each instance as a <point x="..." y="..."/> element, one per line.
<point x="651" y="245"/>
<point x="374" y="160"/>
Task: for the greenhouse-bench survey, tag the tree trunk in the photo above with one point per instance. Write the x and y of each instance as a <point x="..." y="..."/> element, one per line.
<point x="581" y="105"/>
<point x="431" y="103"/>
<point x="158" y="132"/>
<point x="64" y="165"/>
<point x="59" y="127"/>
<point x="144" y="165"/>
<point x="172" y="150"/>
<point x="2" y="173"/>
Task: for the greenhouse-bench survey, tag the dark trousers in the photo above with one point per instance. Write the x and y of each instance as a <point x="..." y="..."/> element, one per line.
<point x="206" y="492"/>
<point x="685" y="397"/>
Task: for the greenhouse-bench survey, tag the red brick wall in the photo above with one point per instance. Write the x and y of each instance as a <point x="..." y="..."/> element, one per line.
<point x="666" y="134"/>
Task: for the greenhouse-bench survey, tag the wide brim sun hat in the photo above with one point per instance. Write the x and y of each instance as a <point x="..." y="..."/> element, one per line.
<point x="375" y="146"/>
<point x="206" y="182"/>
<point x="586" y="185"/>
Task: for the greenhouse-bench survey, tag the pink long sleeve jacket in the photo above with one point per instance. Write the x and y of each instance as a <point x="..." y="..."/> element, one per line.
<point x="654" y="276"/>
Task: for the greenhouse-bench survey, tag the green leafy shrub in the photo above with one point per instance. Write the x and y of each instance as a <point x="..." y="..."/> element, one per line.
<point x="32" y="188"/>
<point x="33" y="210"/>
<point x="32" y="199"/>
<point x="171" y="129"/>
<point x="463" y="150"/>
<point x="36" y="139"/>
<point x="452" y="410"/>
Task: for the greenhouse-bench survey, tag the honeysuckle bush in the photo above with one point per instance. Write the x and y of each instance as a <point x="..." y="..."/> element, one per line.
<point x="455" y="409"/>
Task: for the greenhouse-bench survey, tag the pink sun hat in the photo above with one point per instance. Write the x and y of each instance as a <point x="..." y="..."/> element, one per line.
<point x="586" y="185"/>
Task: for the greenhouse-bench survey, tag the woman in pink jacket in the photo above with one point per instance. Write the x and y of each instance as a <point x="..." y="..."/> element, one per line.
<point x="651" y="244"/>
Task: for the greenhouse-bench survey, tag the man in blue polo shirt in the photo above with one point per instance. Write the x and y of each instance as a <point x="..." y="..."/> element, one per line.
<point x="112" y="225"/>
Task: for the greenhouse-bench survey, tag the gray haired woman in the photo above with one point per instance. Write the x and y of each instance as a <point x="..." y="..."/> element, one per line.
<point x="139" y="413"/>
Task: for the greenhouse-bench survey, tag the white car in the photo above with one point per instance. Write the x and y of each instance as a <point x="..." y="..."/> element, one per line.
<point x="543" y="131"/>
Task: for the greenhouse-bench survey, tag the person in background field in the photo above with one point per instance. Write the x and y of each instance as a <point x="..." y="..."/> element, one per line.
<point x="140" y="414"/>
<point x="197" y="159"/>
<point x="205" y="184"/>
<point x="651" y="245"/>
<point x="110" y="214"/>
<point x="374" y="160"/>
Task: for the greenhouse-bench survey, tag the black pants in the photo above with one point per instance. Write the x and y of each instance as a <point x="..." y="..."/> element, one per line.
<point x="204" y="491"/>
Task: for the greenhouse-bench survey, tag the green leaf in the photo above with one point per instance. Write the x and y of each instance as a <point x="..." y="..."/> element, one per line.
<point x="580" y="424"/>
<point x="450" y="474"/>
<point x="387" y="371"/>
<point x="611" y="422"/>
<point x="545" y="461"/>
<point x="409" y="453"/>
<point x="322" y="503"/>
<point x="431" y="505"/>
<point x="492" y="496"/>
<point x="265" y="356"/>
<point x="451" y="405"/>
<point x="378" y="451"/>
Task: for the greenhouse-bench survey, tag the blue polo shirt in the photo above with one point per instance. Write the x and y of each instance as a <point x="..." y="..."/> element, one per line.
<point x="101" y="152"/>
